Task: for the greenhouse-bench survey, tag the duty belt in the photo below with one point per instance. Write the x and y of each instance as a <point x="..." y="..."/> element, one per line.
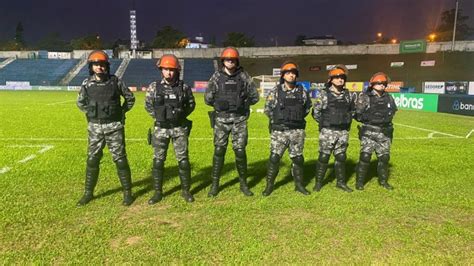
<point x="103" y="121"/>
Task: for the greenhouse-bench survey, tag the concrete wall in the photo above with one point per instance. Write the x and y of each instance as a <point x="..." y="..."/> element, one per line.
<point x="256" y="52"/>
<point x="19" y="54"/>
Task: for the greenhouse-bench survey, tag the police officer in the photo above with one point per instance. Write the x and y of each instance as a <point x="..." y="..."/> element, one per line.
<point x="333" y="110"/>
<point x="169" y="102"/>
<point x="99" y="98"/>
<point x="231" y="91"/>
<point x="287" y="105"/>
<point x="375" y="109"/>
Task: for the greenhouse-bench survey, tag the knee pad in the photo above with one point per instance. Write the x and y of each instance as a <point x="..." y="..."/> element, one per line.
<point x="184" y="164"/>
<point x="323" y="157"/>
<point x="122" y="163"/>
<point x="298" y="160"/>
<point x="158" y="164"/>
<point x="240" y="153"/>
<point x="365" y="157"/>
<point x="93" y="161"/>
<point x="384" y="158"/>
<point x="219" y="151"/>
<point x="274" y="158"/>
<point x="341" y="157"/>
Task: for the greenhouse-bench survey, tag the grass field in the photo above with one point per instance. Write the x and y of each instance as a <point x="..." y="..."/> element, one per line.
<point x="427" y="219"/>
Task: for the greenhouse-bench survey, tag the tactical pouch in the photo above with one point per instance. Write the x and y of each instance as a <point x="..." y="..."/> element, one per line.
<point x="388" y="131"/>
<point x="149" y="136"/>
<point x="189" y="125"/>
<point x="221" y="105"/>
<point x="212" y="118"/>
<point x="172" y="114"/>
<point x="160" y="113"/>
<point x="360" y="131"/>
<point x="92" y="110"/>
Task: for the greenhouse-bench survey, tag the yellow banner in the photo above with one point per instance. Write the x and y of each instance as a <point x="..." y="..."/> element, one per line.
<point x="355" y="86"/>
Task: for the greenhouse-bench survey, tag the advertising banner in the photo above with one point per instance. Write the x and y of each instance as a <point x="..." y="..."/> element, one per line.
<point x="18" y="85"/>
<point x="329" y="67"/>
<point x="428" y="63"/>
<point x="355" y="86"/>
<point x="306" y="84"/>
<point x="456" y="104"/>
<point x="394" y="86"/>
<point x="436" y="87"/>
<point x="397" y="64"/>
<point x="314" y="68"/>
<point x="276" y="72"/>
<point x="471" y="88"/>
<point x="200" y="84"/>
<point x="416" y="101"/>
<point x="457" y="87"/>
<point x="413" y="46"/>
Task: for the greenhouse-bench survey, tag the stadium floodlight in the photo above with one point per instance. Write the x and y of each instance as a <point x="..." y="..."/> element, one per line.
<point x="455" y="22"/>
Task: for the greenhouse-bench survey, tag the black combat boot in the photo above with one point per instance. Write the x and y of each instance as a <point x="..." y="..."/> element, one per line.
<point x="185" y="177"/>
<point x="361" y="174"/>
<point x="321" y="169"/>
<point x="298" y="173"/>
<point x="272" y="172"/>
<point x="340" y="169"/>
<point x="92" y="174"/>
<point x="125" y="176"/>
<point x="157" y="175"/>
<point x="241" y="164"/>
<point x="382" y="171"/>
<point x="217" y="164"/>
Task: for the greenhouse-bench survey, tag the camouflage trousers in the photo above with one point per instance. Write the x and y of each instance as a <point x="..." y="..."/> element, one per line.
<point x="331" y="140"/>
<point x="238" y="130"/>
<point x="112" y="134"/>
<point x="293" y="139"/>
<point x="375" y="141"/>
<point x="161" y="140"/>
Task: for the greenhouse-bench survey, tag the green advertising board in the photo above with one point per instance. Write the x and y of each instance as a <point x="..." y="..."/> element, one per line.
<point x="413" y="46"/>
<point x="416" y="101"/>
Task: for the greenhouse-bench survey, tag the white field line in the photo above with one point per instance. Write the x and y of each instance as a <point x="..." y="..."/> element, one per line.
<point x="198" y="138"/>
<point x="429" y="130"/>
<point x="5" y="169"/>
<point x="469" y="134"/>
<point x="28" y="158"/>
<point x="56" y="103"/>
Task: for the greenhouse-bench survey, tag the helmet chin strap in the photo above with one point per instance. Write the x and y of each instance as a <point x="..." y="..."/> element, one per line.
<point x="103" y="76"/>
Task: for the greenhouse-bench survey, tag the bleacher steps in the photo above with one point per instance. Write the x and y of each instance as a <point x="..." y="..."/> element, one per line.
<point x="122" y="68"/>
<point x="6" y="62"/>
<point x="73" y="73"/>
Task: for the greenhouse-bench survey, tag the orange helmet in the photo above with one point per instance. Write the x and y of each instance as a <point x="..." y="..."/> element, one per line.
<point x="289" y="66"/>
<point x="337" y="71"/>
<point x="230" y="53"/>
<point x="379" y="77"/>
<point x="168" y="61"/>
<point x="98" y="56"/>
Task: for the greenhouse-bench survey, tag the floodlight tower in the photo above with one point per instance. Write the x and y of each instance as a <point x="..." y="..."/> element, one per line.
<point x="133" y="31"/>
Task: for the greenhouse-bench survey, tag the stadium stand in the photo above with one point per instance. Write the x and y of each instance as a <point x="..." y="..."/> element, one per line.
<point x="140" y="73"/>
<point x="197" y="70"/>
<point x="39" y="72"/>
<point x="84" y="73"/>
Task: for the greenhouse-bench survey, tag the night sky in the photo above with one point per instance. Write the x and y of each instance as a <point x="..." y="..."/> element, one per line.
<point x="348" y="20"/>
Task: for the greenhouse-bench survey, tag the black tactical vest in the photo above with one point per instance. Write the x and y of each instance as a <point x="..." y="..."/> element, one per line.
<point x="104" y="101"/>
<point x="338" y="112"/>
<point x="230" y="95"/>
<point x="380" y="112"/>
<point x="168" y="104"/>
<point x="290" y="110"/>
